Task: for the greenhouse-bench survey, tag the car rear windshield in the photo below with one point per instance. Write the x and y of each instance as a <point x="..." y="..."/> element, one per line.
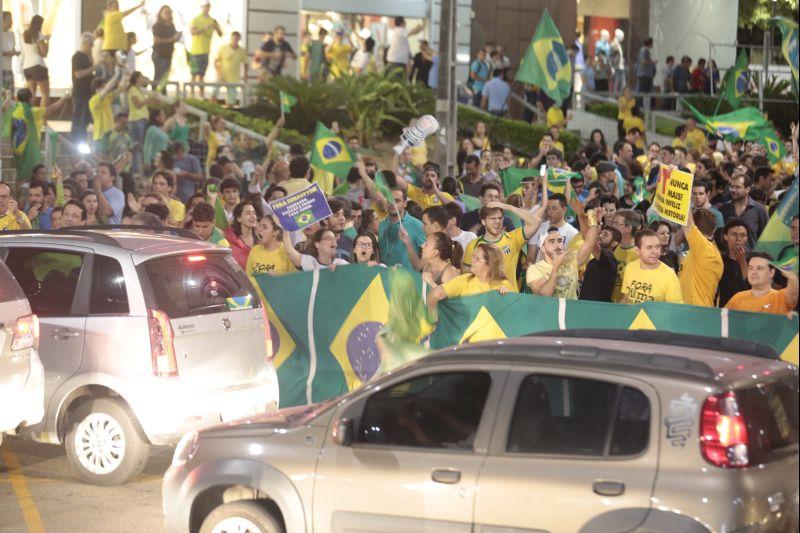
<point x="770" y="411"/>
<point x="198" y="284"/>
<point x="9" y="288"/>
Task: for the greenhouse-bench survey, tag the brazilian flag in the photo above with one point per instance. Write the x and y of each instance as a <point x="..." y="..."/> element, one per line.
<point x="789" y="43"/>
<point x="747" y="123"/>
<point x="511" y="178"/>
<point x="776" y="239"/>
<point x="287" y="102"/>
<point x="329" y="152"/>
<point x="546" y="63"/>
<point x="775" y="149"/>
<point x="25" y="140"/>
<point x="557" y="180"/>
<point x="737" y="80"/>
<point x="304" y="218"/>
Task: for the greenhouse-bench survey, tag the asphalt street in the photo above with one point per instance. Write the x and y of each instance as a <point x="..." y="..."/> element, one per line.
<point x="40" y="492"/>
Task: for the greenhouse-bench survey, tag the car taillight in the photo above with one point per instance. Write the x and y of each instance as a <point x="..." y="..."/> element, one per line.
<point x="26" y="333"/>
<point x="723" y="432"/>
<point x="267" y="332"/>
<point x="162" y="344"/>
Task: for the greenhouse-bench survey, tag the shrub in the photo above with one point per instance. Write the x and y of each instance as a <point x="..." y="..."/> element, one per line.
<point x="604" y="109"/>
<point x="518" y="135"/>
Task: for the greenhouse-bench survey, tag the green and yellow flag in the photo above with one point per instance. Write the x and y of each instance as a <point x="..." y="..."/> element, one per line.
<point x="329" y="152"/>
<point x="512" y="177"/>
<point x="775" y="149"/>
<point x="25" y="140"/>
<point x="287" y="102"/>
<point x="776" y="239"/>
<point x="546" y="63"/>
<point x="788" y="42"/>
<point x="737" y="80"/>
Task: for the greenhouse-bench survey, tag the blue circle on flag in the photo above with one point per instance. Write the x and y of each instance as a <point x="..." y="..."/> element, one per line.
<point x="556" y="59"/>
<point x="773" y="147"/>
<point x="741" y="82"/>
<point x="362" y="351"/>
<point x="331" y="149"/>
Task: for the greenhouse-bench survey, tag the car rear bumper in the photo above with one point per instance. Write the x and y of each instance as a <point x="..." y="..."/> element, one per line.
<point x="24" y="406"/>
<point x="169" y="409"/>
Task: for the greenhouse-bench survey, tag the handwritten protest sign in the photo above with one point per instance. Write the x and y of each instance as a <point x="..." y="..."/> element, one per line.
<point x="301" y="209"/>
<point x="673" y="195"/>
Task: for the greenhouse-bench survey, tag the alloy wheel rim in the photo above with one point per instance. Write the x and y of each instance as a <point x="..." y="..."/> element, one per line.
<point x="236" y="524"/>
<point x="100" y="443"/>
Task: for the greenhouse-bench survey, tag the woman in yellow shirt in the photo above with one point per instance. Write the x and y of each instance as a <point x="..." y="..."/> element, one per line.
<point x="138" y="115"/>
<point x="487" y="273"/>
<point x="114" y="36"/>
<point x="338" y="55"/>
<point x="268" y="256"/>
<point x="625" y="104"/>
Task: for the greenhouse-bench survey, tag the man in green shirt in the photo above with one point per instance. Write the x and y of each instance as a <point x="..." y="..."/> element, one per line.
<point x="203" y="225"/>
<point x="202" y="29"/>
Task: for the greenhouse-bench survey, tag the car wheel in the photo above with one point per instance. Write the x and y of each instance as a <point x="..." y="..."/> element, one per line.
<point x="244" y="516"/>
<point x="105" y="444"/>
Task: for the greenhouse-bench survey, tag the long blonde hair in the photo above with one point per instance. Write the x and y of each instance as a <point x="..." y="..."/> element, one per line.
<point x="494" y="260"/>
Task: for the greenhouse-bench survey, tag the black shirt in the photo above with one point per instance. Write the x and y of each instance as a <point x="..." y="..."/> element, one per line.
<point x="473" y="218"/>
<point x="472" y="189"/>
<point x="420" y="68"/>
<point x="81" y="86"/>
<point x="163" y="30"/>
<point x="754" y="216"/>
<point x="599" y="279"/>
<point x="731" y="281"/>
<point x="275" y="65"/>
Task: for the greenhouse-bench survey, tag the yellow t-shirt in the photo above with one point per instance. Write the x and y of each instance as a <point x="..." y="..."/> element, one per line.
<point x="338" y="55"/>
<point x="657" y="285"/>
<point x="425" y="200"/>
<point x="625" y="106"/>
<point x="701" y="270"/>
<point x="510" y="245"/>
<point x="773" y="302"/>
<point x="201" y="42"/>
<point x="177" y="211"/>
<point x="102" y="115"/>
<point x="555" y="117"/>
<point x="677" y="142"/>
<point x="114" y="36"/>
<point x="635" y="122"/>
<point x="567" y="282"/>
<point x="695" y="139"/>
<point x="263" y="261"/>
<point x="137" y="113"/>
<point x="623" y="257"/>
<point x="231" y="61"/>
<point x="469" y="284"/>
<point x="8" y="222"/>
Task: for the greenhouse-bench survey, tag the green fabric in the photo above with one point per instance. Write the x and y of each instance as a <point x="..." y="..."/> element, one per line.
<point x="180" y="134"/>
<point x="220" y="218"/>
<point x="546" y="63"/>
<point x="736" y="80"/>
<point x="25" y="141"/>
<point x="287" y="101"/>
<point x="789" y="42"/>
<point x="155" y="140"/>
<point x="470" y="202"/>
<point x="511" y="178"/>
<point x="776" y="239"/>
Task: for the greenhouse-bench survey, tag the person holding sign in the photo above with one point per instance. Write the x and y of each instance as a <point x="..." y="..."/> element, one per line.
<point x="762" y="298"/>
<point x="702" y="268"/>
<point x="269" y="255"/>
<point x="648" y="279"/>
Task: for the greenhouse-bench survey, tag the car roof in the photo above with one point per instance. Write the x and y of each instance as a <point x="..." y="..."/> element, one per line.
<point x="633" y="356"/>
<point x="141" y="243"/>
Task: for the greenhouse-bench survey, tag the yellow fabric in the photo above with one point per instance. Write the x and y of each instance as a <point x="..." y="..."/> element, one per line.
<point x="102" y="114"/>
<point x="657" y="285"/>
<point x="8" y="222"/>
<point x="773" y="302"/>
<point x="231" y="61"/>
<point x="137" y="112"/>
<point x="623" y="257"/>
<point x="39" y="117"/>
<point x="695" y="140"/>
<point x="263" y="261"/>
<point x="338" y="55"/>
<point x="177" y="211"/>
<point x="635" y="122"/>
<point x="469" y="284"/>
<point x="555" y="117"/>
<point x="510" y="244"/>
<point x="677" y="142"/>
<point x="114" y="36"/>
<point x="425" y="200"/>
<point x="624" y="107"/>
<point x="419" y="154"/>
<point x="567" y="283"/>
<point x="201" y="42"/>
<point x="701" y="270"/>
<point x="212" y="140"/>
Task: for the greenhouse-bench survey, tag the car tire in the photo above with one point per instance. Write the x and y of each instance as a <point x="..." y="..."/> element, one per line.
<point x="242" y="515"/>
<point x="105" y="444"/>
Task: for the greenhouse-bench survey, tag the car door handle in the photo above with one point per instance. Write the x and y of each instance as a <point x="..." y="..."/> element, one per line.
<point x="64" y="334"/>
<point x="609" y="488"/>
<point x="448" y="477"/>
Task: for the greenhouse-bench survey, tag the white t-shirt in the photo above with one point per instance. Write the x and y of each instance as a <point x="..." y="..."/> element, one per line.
<point x="30" y="55"/>
<point x="309" y="262"/>
<point x="9" y="43"/>
<point x="567" y="231"/>
<point x="399" y="51"/>
<point x="360" y="61"/>
<point x="464" y="238"/>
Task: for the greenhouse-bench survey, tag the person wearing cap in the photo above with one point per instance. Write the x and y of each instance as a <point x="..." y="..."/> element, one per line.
<point x="114" y="36"/>
<point x="202" y="29"/>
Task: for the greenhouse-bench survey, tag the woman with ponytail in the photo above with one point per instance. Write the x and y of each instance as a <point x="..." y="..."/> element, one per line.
<point x="441" y="259"/>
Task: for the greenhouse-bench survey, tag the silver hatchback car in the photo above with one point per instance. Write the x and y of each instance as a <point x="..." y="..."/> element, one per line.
<point x="21" y="372"/>
<point x="529" y="434"/>
<point x="144" y="337"/>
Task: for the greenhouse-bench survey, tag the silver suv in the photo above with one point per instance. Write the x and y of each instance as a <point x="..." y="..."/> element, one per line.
<point x="21" y="372"/>
<point x="528" y="434"/>
<point x="143" y="337"/>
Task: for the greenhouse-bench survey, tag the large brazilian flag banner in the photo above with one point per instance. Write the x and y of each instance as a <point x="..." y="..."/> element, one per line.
<point x="324" y="325"/>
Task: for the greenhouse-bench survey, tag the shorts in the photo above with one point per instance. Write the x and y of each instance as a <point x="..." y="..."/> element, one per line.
<point x="198" y="64"/>
<point x="36" y="73"/>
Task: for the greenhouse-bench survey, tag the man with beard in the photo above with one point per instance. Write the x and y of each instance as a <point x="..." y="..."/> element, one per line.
<point x="429" y="194"/>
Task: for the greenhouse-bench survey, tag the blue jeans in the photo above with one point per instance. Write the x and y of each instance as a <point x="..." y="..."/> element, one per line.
<point x="81" y="117"/>
<point x="138" y="128"/>
<point x="161" y="68"/>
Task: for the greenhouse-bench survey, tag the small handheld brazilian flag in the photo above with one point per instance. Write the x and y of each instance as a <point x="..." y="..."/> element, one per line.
<point x="329" y="152"/>
<point x="546" y="63"/>
<point x="287" y="102"/>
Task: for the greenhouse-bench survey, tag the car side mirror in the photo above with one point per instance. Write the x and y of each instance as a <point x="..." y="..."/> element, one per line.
<point x="342" y="433"/>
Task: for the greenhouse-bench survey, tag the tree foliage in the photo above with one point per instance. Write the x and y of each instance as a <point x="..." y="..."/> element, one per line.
<point x="756" y="13"/>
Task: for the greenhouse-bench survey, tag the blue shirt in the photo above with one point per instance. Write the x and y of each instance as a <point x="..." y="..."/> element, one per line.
<point x="496" y="90"/>
<point x="481" y="69"/>
<point x="393" y="251"/>
<point x="43" y="220"/>
<point x="187" y="187"/>
<point x="116" y="198"/>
